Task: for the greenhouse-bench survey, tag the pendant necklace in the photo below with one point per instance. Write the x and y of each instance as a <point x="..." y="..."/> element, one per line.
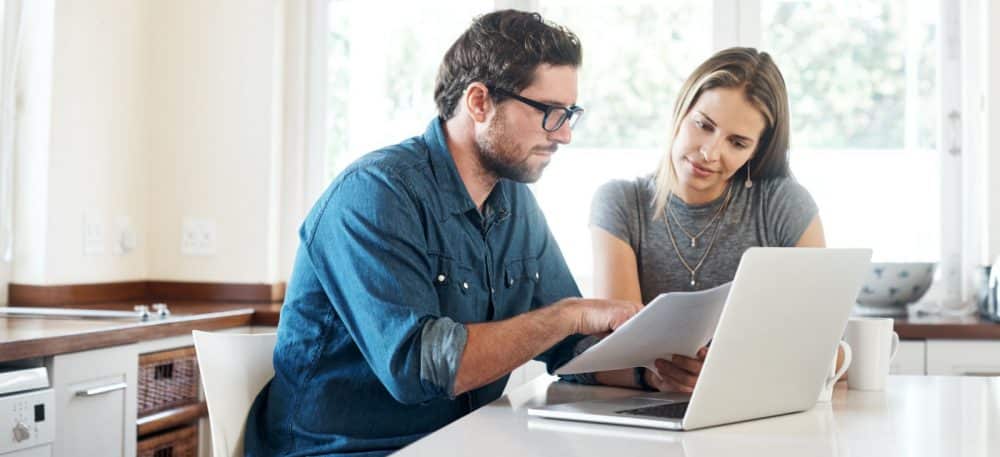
<point x="694" y="238"/>
<point x="715" y="235"/>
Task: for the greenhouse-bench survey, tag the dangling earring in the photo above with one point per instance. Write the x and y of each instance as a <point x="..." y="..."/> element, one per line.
<point x="748" y="183"/>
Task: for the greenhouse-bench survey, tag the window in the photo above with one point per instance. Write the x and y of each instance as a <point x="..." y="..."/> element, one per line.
<point x="863" y="89"/>
<point x="864" y="79"/>
<point x="636" y="55"/>
<point x="381" y="70"/>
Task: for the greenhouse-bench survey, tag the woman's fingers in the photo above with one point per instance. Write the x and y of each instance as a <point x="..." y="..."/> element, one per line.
<point x="683" y="373"/>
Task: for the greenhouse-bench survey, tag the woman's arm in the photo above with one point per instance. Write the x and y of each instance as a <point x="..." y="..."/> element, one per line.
<point x="813" y="236"/>
<point x="616" y="274"/>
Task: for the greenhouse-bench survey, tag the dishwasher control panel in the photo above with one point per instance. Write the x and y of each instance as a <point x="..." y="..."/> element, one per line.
<point x="28" y="419"/>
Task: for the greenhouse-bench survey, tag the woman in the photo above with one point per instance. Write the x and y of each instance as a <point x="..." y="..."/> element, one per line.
<point x="724" y="186"/>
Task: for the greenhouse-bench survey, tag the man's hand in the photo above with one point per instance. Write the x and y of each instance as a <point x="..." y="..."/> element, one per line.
<point x="596" y="316"/>
<point x="679" y="374"/>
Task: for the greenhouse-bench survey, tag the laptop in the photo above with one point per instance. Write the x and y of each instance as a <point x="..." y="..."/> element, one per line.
<point x="770" y="353"/>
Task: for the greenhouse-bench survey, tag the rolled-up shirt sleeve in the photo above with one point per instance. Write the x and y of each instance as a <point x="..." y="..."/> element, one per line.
<point x="367" y="249"/>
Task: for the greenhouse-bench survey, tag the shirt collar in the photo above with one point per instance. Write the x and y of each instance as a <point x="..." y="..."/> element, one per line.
<point x="454" y="196"/>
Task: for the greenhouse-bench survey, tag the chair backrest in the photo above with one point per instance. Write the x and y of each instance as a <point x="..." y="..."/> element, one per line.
<point x="234" y="368"/>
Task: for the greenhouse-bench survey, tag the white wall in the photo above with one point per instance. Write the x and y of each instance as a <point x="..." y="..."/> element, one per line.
<point x="98" y="155"/>
<point x="214" y="135"/>
<point x="150" y="111"/>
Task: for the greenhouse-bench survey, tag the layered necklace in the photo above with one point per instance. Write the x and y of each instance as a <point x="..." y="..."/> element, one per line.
<point x="715" y="235"/>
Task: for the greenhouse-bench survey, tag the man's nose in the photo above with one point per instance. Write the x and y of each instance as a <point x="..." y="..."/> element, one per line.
<point x="562" y="135"/>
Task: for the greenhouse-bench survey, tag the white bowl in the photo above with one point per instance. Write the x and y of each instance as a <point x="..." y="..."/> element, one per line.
<point x="896" y="284"/>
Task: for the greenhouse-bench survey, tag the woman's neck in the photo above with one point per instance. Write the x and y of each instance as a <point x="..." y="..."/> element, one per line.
<point x="695" y="197"/>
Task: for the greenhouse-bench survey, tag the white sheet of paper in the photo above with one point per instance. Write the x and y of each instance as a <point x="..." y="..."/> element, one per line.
<point x="673" y="323"/>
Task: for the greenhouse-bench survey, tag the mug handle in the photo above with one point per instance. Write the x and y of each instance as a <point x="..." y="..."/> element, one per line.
<point x="895" y="346"/>
<point x="843" y="368"/>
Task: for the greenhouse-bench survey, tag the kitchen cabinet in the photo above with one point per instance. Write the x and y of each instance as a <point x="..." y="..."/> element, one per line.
<point x="910" y="358"/>
<point x="95" y="398"/>
<point x="963" y="357"/>
<point x="95" y="402"/>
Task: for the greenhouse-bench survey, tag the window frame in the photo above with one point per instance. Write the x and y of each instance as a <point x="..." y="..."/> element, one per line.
<point x="738" y="23"/>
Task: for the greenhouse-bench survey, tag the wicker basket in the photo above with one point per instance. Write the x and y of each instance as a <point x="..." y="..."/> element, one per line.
<point x="179" y="442"/>
<point x="167" y="379"/>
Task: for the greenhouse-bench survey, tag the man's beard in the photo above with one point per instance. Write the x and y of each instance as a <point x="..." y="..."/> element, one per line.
<point x="500" y="156"/>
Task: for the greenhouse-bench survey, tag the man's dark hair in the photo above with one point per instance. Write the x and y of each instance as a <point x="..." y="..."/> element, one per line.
<point x="503" y="49"/>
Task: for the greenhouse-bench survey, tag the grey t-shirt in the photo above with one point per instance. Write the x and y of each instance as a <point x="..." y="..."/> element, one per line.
<point x="774" y="212"/>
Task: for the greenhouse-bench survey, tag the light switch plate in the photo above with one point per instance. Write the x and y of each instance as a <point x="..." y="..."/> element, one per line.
<point x="93" y="235"/>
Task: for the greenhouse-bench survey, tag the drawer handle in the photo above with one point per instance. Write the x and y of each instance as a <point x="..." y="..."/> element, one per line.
<point x="101" y="390"/>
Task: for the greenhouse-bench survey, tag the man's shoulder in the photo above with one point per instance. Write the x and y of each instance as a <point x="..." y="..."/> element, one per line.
<point x="397" y="160"/>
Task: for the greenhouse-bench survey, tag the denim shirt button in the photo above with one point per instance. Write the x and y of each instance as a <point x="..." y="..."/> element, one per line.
<point x="510" y="282"/>
<point x="536" y="276"/>
<point x="441" y="278"/>
<point x="465" y="285"/>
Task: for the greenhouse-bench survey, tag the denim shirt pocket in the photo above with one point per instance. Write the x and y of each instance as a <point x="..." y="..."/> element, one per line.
<point x="460" y="291"/>
<point x="520" y="278"/>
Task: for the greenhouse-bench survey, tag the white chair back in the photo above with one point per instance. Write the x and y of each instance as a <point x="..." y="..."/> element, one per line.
<point x="234" y="368"/>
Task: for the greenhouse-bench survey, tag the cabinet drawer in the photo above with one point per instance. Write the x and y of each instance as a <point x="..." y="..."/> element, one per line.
<point x="910" y="358"/>
<point x="95" y="402"/>
<point x="963" y="357"/>
<point x="180" y="442"/>
<point x="167" y="379"/>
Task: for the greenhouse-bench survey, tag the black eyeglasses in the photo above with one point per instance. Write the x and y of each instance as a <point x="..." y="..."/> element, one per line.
<point x="555" y="116"/>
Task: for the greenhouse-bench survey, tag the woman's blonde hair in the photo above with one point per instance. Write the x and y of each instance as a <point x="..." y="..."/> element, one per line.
<point x="761" y="81"/>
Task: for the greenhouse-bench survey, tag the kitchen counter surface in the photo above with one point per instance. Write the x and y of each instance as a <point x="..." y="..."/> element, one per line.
<point x="916" y="416"/>
<point x="26" y="337"/>
<point x="34" y="337"/>
<point x="972" y="327"/>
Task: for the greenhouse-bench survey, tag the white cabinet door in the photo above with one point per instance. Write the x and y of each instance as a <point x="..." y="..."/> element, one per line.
<point x="909" y="358"/>
<point x="96" y="402"/>
<point x="963" y="357"/>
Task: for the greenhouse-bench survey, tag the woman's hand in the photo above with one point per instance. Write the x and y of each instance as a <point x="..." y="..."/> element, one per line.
<point x="679" y="374"/>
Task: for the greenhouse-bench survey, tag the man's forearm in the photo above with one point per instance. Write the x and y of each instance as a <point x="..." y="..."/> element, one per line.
<point x="494" y="349"/>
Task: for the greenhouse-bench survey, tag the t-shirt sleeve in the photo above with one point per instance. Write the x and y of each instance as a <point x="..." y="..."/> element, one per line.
<point x="790" y="209"/>
<point x="614" y="209"/>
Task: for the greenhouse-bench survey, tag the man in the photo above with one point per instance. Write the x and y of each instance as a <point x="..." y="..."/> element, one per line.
<point x="426" y="272"/>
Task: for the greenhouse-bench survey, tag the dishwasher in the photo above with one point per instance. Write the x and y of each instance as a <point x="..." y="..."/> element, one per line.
<point x="26" y="407"/>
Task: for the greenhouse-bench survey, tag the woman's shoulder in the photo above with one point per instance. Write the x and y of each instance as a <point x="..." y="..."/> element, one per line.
<point x="782" y="187"/>
<point x="622" y="190"/>
<point x="622" y="199"/>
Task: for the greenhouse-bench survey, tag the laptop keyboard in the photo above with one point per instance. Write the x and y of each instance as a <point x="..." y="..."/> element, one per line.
<point x="669" y="410"/>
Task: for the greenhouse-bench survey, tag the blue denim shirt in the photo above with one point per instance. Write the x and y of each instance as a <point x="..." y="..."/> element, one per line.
<point x="394" y="258"/>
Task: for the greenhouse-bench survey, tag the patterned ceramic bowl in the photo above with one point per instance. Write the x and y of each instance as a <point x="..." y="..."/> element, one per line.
<point x="896" y="284"/>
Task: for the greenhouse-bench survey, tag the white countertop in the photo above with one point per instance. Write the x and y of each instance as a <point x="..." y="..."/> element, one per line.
<point x="915" y="416"/>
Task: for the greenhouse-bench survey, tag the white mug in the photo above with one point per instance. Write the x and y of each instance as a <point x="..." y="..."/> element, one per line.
<point x="874" y="344"/>
<point x="834" y="375"/>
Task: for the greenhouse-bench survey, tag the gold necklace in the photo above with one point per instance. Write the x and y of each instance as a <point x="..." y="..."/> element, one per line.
<point x="715" y="236"/>
<point x="694" y="238"/>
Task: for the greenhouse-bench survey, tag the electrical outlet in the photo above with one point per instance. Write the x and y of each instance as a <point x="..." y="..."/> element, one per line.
<point x="93" y="235"/>
<point x="197" y="236"/>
